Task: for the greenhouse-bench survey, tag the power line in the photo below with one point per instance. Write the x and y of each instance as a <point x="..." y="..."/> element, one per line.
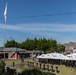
<point x="47" y="15"/>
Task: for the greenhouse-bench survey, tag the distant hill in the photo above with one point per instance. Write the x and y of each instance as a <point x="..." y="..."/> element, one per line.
<point x="73" y="44"/>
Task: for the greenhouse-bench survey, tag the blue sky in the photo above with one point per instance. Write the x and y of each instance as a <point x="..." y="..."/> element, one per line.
<point x="21" y="25"/>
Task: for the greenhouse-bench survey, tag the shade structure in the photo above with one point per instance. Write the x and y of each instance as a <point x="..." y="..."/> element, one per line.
<point x="72" y="56"/>
<point x="54" y="56"/>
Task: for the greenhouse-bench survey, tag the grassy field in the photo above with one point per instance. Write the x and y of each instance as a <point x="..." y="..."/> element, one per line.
<point x="10" y="62"/>
<point x="63" y="69"/>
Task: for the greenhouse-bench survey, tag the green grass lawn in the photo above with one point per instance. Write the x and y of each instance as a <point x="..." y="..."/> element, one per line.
<point x="10" y="62"/>
<point x="63" y="69"/>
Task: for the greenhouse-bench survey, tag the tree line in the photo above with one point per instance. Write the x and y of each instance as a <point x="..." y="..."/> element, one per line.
<point x="43" y="44"/>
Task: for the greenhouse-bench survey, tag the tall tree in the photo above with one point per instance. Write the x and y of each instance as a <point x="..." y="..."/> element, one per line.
<point x="60" y="48"/>
<point x="11" y="43"/>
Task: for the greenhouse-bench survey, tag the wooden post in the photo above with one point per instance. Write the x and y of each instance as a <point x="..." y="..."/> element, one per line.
<point x="43" y="66"/>
<point x="52" y="69"/>
<point x="57" y="70"/>
<point x="28" y="63"/>
<point x="40" y="66"/>
<point x="37" y="65"/>
<point x="32" y="64"/>
<point x="48" y="67"/>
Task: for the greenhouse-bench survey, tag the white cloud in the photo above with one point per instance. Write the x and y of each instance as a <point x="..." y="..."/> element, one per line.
<point x="42" y="29"/>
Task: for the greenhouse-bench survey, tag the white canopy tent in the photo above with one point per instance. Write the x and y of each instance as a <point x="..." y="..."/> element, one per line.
<point x="58" y="58"/>
<point x="54" y="56"/>
<point x="72" y="56"/>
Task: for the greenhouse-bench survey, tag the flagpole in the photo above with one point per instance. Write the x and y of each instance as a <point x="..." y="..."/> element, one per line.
<point x="4" y="38"/>
<point x="5" y="17"/>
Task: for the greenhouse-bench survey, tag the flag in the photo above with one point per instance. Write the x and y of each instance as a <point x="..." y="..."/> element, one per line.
<point x="5" y="12"/>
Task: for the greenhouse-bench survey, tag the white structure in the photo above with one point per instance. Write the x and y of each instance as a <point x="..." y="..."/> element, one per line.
<point x="58" y="56"/>
<point x="54" y="56"/>
<point x="72" y="56"/>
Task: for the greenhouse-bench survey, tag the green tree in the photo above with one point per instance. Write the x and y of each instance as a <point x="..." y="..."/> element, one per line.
<point x="43" y="44"/>
<point x="34" y="72"/>
<point x="8" y="72"/>
<point x="60" y="48"/>
<point x="52" y="45"/>
<point x="11" y="43"/>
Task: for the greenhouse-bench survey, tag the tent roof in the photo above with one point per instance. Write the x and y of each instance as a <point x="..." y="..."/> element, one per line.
<point x="54" y="56"/>
<point x="72" y="56"/>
